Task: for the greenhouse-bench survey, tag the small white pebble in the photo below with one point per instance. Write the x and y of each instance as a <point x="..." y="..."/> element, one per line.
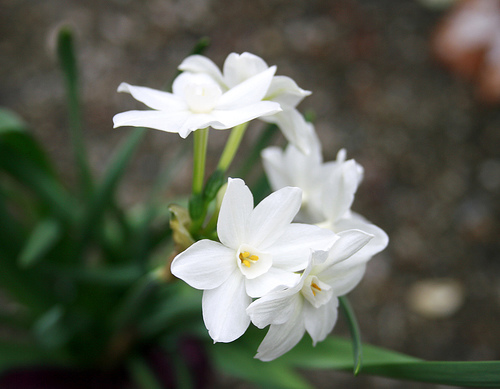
<point x="436" y="299"/>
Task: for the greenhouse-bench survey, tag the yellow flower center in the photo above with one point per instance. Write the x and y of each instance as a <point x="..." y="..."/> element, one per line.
<point x="247" y="259"/>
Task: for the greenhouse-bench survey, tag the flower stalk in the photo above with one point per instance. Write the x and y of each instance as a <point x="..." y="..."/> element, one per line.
<point x="199" y="159"/>
<point x="232" y="145"/>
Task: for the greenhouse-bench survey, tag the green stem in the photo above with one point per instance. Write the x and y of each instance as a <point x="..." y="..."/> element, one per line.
<point x="232" y="146"/>
<point x="199" y="158"/>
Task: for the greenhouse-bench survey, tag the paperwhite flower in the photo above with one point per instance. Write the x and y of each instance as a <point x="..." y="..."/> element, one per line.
<point x="260" y="249"/>
<point x="328" y="190"/>
<point x="238" y="68"/>
<point x="310" y="305"/>
<point x="197" y="101"/>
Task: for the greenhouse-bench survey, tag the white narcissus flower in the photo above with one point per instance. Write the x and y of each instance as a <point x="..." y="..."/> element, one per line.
<point x="259" y="250"/>
<point x="197" y="101"/>
<point x="311" y="304"/>
<point x="238" y="68"/>
<point x="328" y="190"/>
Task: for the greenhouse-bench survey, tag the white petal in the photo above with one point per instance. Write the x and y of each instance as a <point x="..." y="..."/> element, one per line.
<point x="274" y="308"/>
<point x="153" y="98"/>
<point x="276" y="170"/>
<point x="343" y="277"/>
<point x="248" y="92"/>
<point x="202" y="64"/>
<point x="204" y="265"/>
<point x="349" y="243"/>
<point x="294" y="128"/>
<point x="282" y="337"/>
<point x="198" y="121"/>
<point x="319" y="322"/>
<point x="374" y="246"/>
<point x="236" y="207"/>
<point x="339" y="190"/>
<point x="232" y="117"/>
<point x="285" y="91"/>
<point x="272" y="216"/>
<point x="238" y="68"/>
<point x="292" y="251"/>
<point x="159" y="120"/>
<point x="273" y="278"/>
<point x="224" y="309"/>
<point x="183" y="80"/>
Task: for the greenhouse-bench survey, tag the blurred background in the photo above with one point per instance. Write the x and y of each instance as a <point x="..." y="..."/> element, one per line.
<point x="408" y="87"/>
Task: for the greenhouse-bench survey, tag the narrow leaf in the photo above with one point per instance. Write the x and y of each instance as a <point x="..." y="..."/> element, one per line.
<point x="484" y="374"/>
<point x="142" y="374"/>
<point x="34" y="177"/>
<point x="357" y="347"/>
<point x="101" y="201"/>
<point x="68" y="64"/>
<point x="43" y="238"/>
<point x="10" y="121"/>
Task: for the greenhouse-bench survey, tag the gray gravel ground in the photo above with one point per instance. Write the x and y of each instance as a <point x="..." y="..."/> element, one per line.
<point x="431" y="152"/>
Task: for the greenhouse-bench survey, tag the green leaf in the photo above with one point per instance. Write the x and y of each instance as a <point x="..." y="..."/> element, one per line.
<point x="67" y="59"/>
<point x="129" y="308"/>
<point x="236" y="359"/>
<point x="20" y="355"/>
<point x="214" y="183"/>
<point x="110" y="276"/>
<point x="25" y="146"/>
<point x="142" y="234"/>
<point x="13" y="234"/>
<point x="32" y="175"/>
<point x="42" y="239"/>
<point x="357" y="347"/>
<point x="484" y="374"/>
<point x="24" y="287"/>
<point x="50" y="329"/>
<point x="102" y="200"/>
<point x="10" y="121"/>
<point x="336" y="353"/>
<point x="142" y="374"/>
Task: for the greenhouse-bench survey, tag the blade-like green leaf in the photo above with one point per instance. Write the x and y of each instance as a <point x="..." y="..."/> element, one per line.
<point x="50" y="330"/>
<point x="128" y="310"/>
<point x="483" y="374"/>
<point x="67" y="59"/>
<point x="23" y="286"/>
<point x="110" y="276"/>
<point x="142" y="233"/>
<point x="13" y="234"/>
<point x="357" y="347"/>
<point x="42" y="239"/>
<point x="31" y="175"/>
<point x="336" y="353"/>
<point x="236" y="359"/>
<point x="21" y="355"/>
<point x="142" y="374"/>
<point x="10" y="121"/>
<point x="102" y="199"/>
<point x="24" y="145"/>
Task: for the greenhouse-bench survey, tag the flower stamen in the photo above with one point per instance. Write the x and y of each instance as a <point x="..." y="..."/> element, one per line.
<point x="315" y="288"/>
<point x="246" y="257"/>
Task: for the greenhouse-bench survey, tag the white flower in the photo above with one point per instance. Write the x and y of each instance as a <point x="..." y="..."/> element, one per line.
<point x="198" y="102"/>
<point x="328" y="190"/>
<point x="260" y="249"/>
<point x="311" y="304"/>
<point x="238" y="68"/>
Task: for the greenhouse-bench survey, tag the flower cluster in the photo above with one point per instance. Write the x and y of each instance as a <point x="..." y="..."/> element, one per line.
<point x="284" y="262"/>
